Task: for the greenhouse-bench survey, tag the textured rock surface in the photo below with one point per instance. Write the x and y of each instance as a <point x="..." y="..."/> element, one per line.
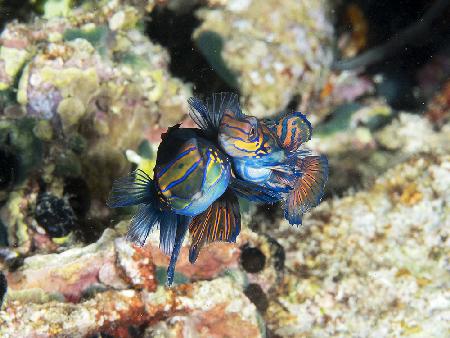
<point x="364" y="140"/>
<point x="76" y="92"/>
<point x="204" y="309"/>
<point x="80" y="88"/>
<point x="111" y="285"/>
<point x="276" y="51"/>
<point x="374" y="263"/>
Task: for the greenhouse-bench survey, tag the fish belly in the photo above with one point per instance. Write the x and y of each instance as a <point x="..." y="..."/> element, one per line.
<point x="202" y="200"/>
<point x="252" y="173"/>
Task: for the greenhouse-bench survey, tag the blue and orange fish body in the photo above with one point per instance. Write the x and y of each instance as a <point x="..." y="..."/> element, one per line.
<point x="200" y="172"/>
<point x="191" y="188"/>
<point x="198" y="175"/>
<point x="268" y="153"/>
<point x="256" y="151"/>
<point x="191" y="176"/>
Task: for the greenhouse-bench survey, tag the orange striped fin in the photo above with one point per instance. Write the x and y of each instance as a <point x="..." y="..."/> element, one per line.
<point x="308" y="190"/>
<point x="220" y="222"/>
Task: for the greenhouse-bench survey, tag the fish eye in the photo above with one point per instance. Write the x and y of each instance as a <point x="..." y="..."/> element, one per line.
<point x="252" y="132"/>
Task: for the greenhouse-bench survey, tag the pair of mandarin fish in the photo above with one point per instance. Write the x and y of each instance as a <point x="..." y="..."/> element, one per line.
<point x="201" y="172"/>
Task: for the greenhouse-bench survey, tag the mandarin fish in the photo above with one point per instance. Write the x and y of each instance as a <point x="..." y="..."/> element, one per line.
<point x="191" y="189"/>
<point x="256" y="152"/>
<point x="268" y="153"/>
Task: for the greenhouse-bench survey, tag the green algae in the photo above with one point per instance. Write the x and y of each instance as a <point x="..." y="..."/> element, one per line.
<point x="96" y="35"/>
<point x="68" y="165"/>
<point x="339" y="121"/>
<point x="161" y="276"/>
<point x="18" y="135"/>
<point x="145" y="150"/>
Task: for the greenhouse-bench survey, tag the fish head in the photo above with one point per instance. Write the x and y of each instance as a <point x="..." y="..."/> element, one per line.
<point x="240" y="136"/>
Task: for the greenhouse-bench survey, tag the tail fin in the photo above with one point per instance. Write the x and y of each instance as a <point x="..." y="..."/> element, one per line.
<point x="283" y="176"/>
<point x="142" y="223"/>
<point x="308" y="190"/>
<point x="137" y="188"/>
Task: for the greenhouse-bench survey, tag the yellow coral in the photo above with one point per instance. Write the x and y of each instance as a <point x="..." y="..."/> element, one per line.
<point x="124" y="19"/>
<point x="14" y="59"/>
<point x="71" y="111"/>
<point x="73" y="82"/>
<point x="43" y="130"/>
<point x="411" y="195"/>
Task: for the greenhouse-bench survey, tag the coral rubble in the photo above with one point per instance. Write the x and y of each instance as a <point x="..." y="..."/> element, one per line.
<point x="111" y="285"/>
<point x="374" y="263"/>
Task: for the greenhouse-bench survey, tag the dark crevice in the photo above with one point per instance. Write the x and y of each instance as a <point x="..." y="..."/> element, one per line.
<point x="253" y="259"/>
<point x="3" y="287"/>
<point x="398" y="59"/>
<point x="14" y="10"/>
<point x="174" y="32"/>
<point x="257" y="296"/>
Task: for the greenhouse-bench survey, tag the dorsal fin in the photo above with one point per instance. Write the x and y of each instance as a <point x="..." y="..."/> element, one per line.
<point x="208" y="116"/>
<point x="293" y="130"/>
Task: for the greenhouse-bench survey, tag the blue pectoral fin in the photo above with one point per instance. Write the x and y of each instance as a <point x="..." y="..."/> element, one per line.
<point x="208" y="116"/>
<point x="253" y="192"/>
<point x="182" y="223"/>
<point x="137" y="188"/>
<point x="142" y="223"/>
<point x="134" y="189"/>
<point x="220" y="222"/>
<point x="308" y="190"/>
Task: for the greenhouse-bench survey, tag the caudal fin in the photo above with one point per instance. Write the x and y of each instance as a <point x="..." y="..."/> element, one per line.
<point x="144" y="221"/>
<point x="134" y="189"/>
<point x="308" y="190"/>
<point x="138" y="188"/>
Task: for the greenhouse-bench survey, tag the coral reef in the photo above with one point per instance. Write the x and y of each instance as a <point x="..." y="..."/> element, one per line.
<point x="371" y="264"/>
<point x="112" y="312"/>
<point x="84" y="97"/>
<point x="275" y="51"/>
<point x="111" y="285"/>
<point x="439" y="108"/>
<point x="76" y="92"/>
<point x="363" y="140"/>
